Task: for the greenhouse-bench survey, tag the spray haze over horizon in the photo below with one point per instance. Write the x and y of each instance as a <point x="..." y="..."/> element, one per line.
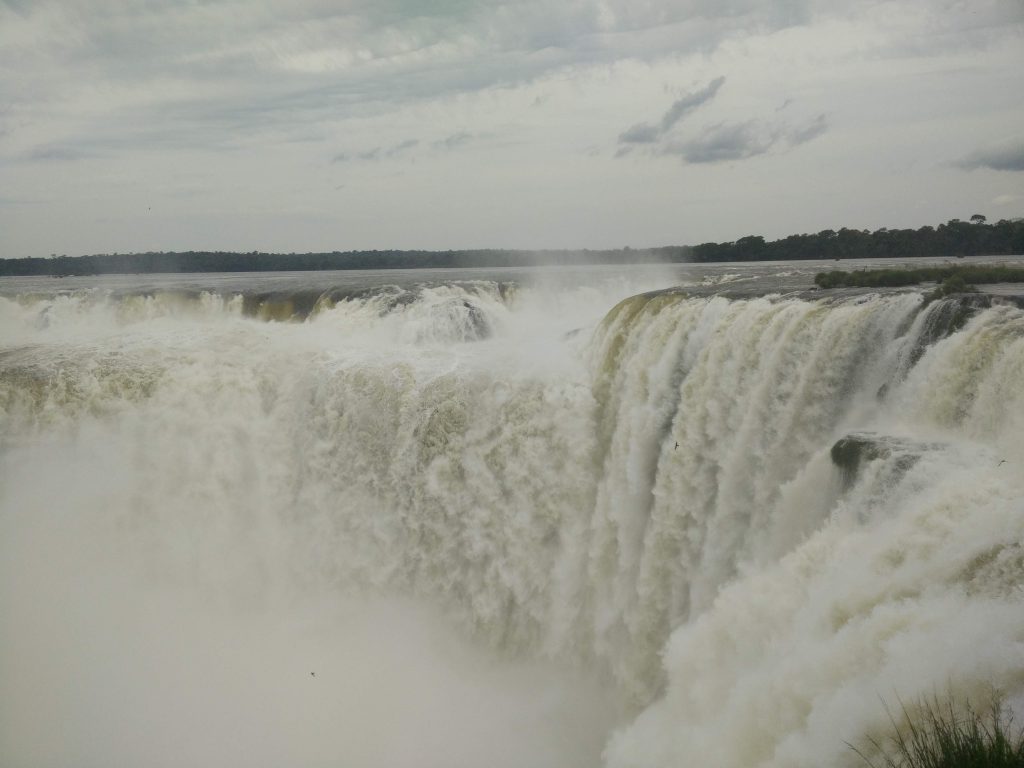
<point x="548" y="519"/>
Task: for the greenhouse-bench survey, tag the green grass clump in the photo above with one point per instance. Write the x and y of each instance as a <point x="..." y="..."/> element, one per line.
<point x="894" y="278"/>
<point x="952" y="284"/>
<point x="941" y="736"/>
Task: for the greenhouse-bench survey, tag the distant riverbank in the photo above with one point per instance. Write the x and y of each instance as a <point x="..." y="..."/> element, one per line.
<point x="953" y="239"/>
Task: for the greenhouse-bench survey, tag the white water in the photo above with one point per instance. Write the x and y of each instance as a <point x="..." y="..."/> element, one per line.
<point x="466" y="512"/>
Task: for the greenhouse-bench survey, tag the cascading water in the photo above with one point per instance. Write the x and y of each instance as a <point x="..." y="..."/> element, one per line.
<point x="753" y="519"/>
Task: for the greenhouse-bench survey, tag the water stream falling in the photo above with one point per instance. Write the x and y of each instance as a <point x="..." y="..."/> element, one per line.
<point x="471" y="524"/>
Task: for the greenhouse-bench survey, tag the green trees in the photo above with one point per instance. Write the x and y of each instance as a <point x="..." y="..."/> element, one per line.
<point x="952" y="278"/>
<point x="954" y="238"/>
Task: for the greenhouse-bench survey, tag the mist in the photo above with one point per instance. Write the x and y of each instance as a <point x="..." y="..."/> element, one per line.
<point x="213" y="657"/>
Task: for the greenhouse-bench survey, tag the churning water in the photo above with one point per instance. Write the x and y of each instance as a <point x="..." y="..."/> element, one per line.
<point x="485" y="520"/>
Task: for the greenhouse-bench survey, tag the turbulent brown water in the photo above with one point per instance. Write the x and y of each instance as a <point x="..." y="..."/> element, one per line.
<point x="469" y="518"/>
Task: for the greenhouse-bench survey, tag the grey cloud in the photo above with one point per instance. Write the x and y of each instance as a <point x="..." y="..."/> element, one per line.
<point x="814" y="129"/>
<point x="723" y="142"/>
<point x="376" y="153"/>
<point x="290" y="63"/>
<point x="401" y="147"/>
<point x="454" y="141"/>
<point x="690" y="102"/>
<point x="958" y="26"/>
<point x="641" y="133"/>
<point x="1007" y="156"/>
<point x="645" y="133"/>
<point x="58" y="153"/>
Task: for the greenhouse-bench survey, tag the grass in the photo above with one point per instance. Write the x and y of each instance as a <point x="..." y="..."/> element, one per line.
<point x="943" y="736"/>
<point x="955" y="277"/>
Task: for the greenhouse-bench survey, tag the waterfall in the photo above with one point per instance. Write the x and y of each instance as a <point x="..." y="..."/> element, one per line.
<point x="755" y="518"/>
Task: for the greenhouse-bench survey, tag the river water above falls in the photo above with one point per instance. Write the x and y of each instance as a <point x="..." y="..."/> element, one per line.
<point x="519" y="518"/>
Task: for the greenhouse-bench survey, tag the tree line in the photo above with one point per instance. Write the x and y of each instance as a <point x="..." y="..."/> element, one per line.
<point x="954" y="238"/>
<point x="255" y="261"/>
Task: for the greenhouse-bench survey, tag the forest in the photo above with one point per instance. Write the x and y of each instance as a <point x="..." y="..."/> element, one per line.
<point x="955" y="238"/>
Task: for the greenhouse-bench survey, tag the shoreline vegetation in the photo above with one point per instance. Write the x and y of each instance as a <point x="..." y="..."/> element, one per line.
<point x="955" y="238"/>
<point x="950" y="279"/>
<point x="941" y="734"/>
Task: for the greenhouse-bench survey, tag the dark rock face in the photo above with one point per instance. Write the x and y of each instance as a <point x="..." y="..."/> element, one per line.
<point x="280" y="306"/>
<point x="946" y="317"/>
<point x="478" y="322"/>
<point x="852" y="452"/>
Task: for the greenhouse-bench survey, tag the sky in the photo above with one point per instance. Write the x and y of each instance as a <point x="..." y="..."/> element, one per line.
<point x="312" y="125"/>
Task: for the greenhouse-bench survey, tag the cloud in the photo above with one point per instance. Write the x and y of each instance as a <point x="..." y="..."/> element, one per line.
<point x="723" y="142"/>
<point x="58" y="153"/>
<point x="1006" y="156"/>
<point x="641" y="133"/>
<point x="376" y="153"/>
<point x="812" y="130"/>
<point x="226" y="87"/>
<point x="209" y="69"/>
<point x="645" y="133"/>
<point x="401" y="147"/>
<point x="690" y="102"/>
<point x="216" y="67"/>
<point x="720" y="142"/>
<point x="454" y="141"/>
